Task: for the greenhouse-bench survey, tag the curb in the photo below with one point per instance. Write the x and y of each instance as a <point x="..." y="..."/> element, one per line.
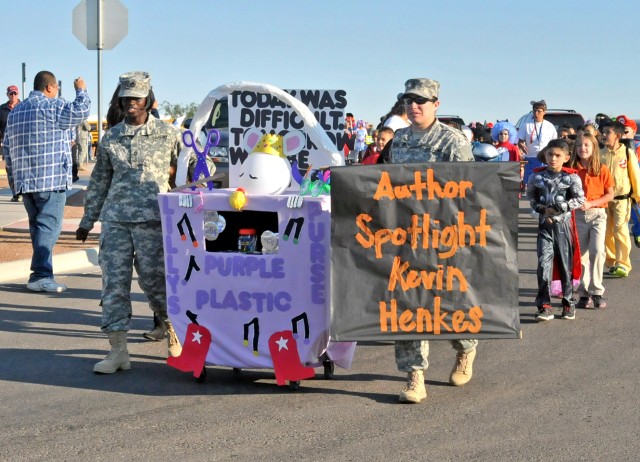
<point x="64" y="263"/>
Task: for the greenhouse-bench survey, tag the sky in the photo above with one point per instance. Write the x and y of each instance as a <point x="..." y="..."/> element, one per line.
<point x="491" y="57"/>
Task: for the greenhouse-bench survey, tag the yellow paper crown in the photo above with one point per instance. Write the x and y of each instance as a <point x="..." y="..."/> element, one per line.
<point x="270" y="144"/>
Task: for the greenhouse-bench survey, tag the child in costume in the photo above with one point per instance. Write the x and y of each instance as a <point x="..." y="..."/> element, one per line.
<point x="553" y="192"/>
<point x="360" y="145"/>
<point x="591" y="218"/>
<point x="505" y="137"/>
<point x="385" y="134"/>
<point x="630" y="130"/>
<point x="623" y="165"/>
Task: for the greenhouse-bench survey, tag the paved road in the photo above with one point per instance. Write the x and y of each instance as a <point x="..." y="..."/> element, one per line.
<point x="567" y="391"/>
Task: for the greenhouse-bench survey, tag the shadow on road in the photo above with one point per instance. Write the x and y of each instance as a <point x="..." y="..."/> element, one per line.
<point x="150" y="376"/>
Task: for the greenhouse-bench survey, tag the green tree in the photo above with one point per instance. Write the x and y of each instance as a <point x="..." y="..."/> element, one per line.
<point x="176" y="110"/>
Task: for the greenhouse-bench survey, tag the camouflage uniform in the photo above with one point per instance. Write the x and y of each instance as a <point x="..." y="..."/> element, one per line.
<point x="440" y="143"/>
<point x="82" y="140"/>
<point x="132" y="167"/>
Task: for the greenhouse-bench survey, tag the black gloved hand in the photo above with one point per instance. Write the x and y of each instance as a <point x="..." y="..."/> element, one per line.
<point x="561" y="207"/>
<point x="541" y="209"/>
<point x="82" y="234"/>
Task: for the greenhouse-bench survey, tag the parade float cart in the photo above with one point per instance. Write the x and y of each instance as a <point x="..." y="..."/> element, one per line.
<point x="247" y="272"/>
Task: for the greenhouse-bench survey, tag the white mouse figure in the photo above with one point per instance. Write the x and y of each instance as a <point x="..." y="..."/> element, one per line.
<point x="266" y="171"/>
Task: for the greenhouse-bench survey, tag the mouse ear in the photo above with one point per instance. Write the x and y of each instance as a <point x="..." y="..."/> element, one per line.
<point x="251" y="138"/>
<point x="293" y="142"/>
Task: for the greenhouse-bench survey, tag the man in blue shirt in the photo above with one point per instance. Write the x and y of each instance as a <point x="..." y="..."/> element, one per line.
<point x="37" y="151"/>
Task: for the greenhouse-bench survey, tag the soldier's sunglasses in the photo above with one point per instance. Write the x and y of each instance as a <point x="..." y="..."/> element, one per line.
<point x="417" y="99"/>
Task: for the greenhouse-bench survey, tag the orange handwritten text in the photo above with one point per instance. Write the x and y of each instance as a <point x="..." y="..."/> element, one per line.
<point x="424" y="320"/>
<point x="434" y="189"/>
<point x="411" y="279"/>
<point x="446" y="239"/>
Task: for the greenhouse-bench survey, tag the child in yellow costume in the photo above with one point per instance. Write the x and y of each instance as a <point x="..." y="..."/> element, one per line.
<point x="623" y="164"/>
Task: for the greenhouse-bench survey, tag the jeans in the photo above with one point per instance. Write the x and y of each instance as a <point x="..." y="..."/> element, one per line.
<point x="45" y="211"/>
<point x="635" y="220"/>
<point x="75" y="162"/>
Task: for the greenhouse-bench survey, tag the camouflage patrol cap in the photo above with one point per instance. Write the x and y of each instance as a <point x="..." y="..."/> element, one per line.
<point x="422" y="87"/>
<point x="135" y="85"/>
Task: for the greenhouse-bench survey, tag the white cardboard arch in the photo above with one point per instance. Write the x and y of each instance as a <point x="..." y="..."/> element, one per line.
<point x="312" y="128"/>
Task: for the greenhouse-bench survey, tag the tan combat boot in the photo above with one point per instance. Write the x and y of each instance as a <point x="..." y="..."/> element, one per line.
<point x="159" y="331"/>
<point x="118" y="357"/>
<point x="158" y="334"/>
<point x="414" y="391"/>
<point x="463" y="370"/>
<point x="175" y="349"/>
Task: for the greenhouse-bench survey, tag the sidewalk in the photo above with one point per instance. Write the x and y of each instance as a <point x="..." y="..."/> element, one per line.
<point x="13" y="218"/>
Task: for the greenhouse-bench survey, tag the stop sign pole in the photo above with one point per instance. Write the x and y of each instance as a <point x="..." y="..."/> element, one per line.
<point x="100" y="25"/>
<point x="99" y="45"/>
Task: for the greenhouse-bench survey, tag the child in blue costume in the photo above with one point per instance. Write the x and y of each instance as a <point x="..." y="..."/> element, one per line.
<point x="553" y="193"/>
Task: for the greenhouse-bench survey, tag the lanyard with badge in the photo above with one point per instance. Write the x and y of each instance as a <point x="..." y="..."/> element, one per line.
<point x="537" y="132"/>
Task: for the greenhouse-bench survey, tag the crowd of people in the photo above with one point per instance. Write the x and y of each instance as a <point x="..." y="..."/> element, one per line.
<point x="581" y="184"/>
<point x="584" y="196"/>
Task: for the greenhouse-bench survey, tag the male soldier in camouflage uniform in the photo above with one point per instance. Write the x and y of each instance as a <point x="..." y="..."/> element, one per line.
<point x="79" y="149"/>
<point x="136" y="160"/>
<point x="82" y="139"/>
<point x="428" y="140"/>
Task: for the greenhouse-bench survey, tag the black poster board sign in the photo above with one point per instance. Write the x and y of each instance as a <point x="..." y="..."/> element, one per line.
<point x="425" y="251"/>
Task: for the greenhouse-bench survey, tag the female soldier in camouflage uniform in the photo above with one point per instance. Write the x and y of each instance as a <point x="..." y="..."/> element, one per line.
<point x="135" y="161"/>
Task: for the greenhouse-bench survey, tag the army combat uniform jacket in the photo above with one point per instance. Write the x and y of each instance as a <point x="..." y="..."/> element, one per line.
<point x="440" y="143"/>
<point x="132" y="167"/>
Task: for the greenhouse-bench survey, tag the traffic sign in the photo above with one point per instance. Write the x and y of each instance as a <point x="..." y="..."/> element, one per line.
<point x="108" y="18"/>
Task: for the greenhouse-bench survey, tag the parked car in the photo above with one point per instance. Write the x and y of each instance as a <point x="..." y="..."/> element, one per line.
<point x="451" y="120"/>
<point x="558" y="117"/>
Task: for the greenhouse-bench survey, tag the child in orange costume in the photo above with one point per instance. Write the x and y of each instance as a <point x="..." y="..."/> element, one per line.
<point x="591" y="218"/>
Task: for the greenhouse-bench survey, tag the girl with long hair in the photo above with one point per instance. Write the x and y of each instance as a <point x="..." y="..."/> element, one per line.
<point x="591" y="218"/>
